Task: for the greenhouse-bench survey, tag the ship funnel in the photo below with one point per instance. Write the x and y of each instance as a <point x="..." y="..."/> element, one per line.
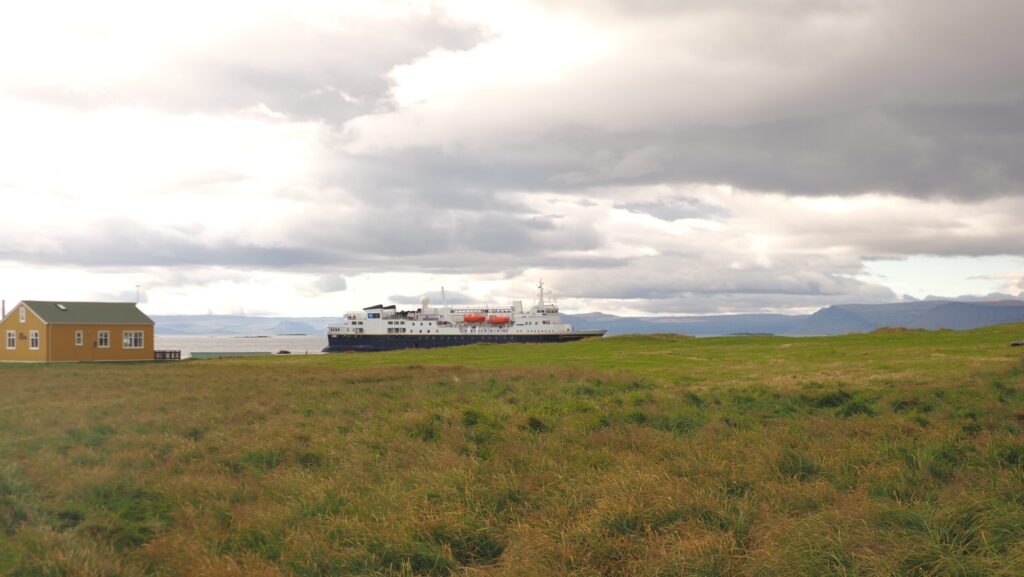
<point x="424" y="303"/>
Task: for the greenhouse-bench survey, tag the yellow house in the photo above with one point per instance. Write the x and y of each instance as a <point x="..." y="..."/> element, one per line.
<point x="43" y="331"/>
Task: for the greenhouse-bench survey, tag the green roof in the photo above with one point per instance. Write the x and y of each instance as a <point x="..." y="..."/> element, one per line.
<point x="88" y="313"/>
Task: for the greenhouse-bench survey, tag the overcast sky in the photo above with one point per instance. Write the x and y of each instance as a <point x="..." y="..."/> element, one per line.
<point x="641" y="156"/>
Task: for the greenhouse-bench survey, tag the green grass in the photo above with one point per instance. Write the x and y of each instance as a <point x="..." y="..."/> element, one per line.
<point x="897" y="453"/>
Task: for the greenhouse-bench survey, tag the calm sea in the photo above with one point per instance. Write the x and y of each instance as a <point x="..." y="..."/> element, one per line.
<point x="298" y="344"/>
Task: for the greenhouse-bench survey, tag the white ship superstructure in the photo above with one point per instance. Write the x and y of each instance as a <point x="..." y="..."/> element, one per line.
<point x="434" y="326"/>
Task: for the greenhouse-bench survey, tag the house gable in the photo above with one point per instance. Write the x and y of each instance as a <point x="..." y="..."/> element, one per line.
<point x="31" y="338"/>
<point x="15" y="312"/>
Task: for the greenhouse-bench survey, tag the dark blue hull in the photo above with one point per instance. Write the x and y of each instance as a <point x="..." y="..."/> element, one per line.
<point x="369" y="343"/>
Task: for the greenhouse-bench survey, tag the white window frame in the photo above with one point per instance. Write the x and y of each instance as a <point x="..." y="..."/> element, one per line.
<point x="21" y="315"/>
<point x="12" y="340"/>
<point x="101" y="338"/>
<point x="79" y="338"/>
<point x="133" y="340"/>
<point x="33" y="340"/>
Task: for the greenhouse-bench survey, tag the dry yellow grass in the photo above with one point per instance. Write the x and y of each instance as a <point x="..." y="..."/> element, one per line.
<point x="756" y="456"/>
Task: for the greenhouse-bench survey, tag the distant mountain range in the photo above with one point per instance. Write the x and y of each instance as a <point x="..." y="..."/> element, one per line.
<point x="833" y="320"/>
<point x="931" y="315"/>
<point x="699" y="326"/>
<point x="239" y="325"/>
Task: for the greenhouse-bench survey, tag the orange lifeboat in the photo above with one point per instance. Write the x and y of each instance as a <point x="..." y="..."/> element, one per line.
<point x="473" y="318"/>
<point x="498" y="320"/>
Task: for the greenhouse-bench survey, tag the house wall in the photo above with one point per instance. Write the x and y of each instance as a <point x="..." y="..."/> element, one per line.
<point x="21" y="351"/>
<point x="62" y="343"/>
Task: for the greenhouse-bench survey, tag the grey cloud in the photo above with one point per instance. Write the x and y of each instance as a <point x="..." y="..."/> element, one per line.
<point x="437" y="178"/>
<point x="728" y="303"/>
<point x="481" y="239"/>
<point x="962" y="230"/>
<point x="616" y="10"/>
<point x="306" y="72"/>
<point x="704" y="285"/>
<point x="911" y="98"/>
<point x="675" y="208"/>
<point x="320" y="74"/>
<point x="117" y="242"/>
<point x="975" y="298"/>
<point x="436" y="298"/>
<point x="332" y="283"/>
<point x="960" y="152"/>
<point x="398" y="239"/>
<point x="120" y="297"/>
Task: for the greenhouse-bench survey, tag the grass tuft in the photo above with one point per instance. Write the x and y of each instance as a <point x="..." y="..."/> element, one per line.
<point x="829" y="400"/>
<point x="536" y="425"/>
<point x="93" y="436"/>
<point x="125" y="516"/>
<point x="263" y="459"/>
<point x="855" y="407"/>
<point x="797" y="465"/>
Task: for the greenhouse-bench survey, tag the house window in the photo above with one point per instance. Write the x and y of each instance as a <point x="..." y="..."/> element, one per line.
<point x="12" y="340"/>
<point x="21" y="315"/>
<point x="33" y="340"/>
<point x="103" y="339"/>
<point x="79" y="338"/>
<point x="133" y="339"/>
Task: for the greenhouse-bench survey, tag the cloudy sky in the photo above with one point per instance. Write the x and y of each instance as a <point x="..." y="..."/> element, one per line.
<point x="641" y="156"/>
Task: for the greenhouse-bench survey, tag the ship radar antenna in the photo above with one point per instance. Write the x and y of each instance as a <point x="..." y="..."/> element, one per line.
<point x="542" y="294"/>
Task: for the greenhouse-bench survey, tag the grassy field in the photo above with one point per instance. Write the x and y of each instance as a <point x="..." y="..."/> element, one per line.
<point x="895" y="453"/>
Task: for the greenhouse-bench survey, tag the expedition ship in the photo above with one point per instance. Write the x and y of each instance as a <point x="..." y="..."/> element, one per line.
<point x="385" y="328"/>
